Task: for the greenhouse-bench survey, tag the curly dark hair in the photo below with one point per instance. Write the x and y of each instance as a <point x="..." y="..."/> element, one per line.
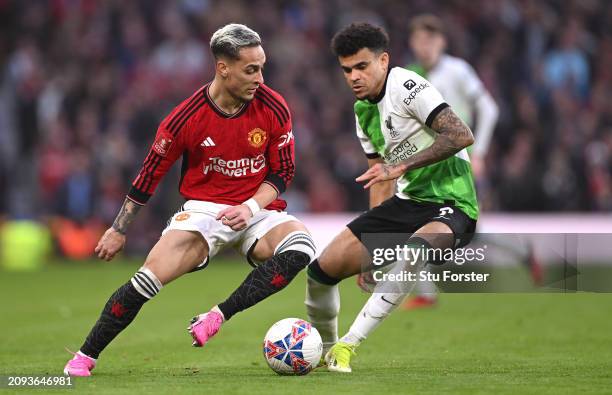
<point x="356" y="36"/>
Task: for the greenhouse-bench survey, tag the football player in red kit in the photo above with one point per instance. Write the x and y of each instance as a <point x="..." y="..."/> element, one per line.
<point x="234" y="135"/>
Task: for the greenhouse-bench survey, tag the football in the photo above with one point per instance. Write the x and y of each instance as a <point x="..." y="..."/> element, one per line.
<point x="292" y="347"/>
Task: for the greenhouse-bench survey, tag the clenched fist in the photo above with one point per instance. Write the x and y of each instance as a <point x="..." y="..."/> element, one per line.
<point x="236" y="217"/>
<point x="110" y="244"/>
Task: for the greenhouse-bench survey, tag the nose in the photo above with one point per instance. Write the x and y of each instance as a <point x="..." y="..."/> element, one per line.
<point x="355" y="75"/>
<point x="259" y="78"/>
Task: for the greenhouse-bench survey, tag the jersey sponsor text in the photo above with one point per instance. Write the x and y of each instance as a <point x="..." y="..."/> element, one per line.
<point x="236" y="167"/>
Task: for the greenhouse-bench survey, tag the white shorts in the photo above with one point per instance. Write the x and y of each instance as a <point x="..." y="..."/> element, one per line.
<point x="200" y="216"/>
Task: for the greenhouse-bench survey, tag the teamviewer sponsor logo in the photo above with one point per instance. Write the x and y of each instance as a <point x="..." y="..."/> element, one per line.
<point x="413" y="94"/>
<point x="236" y="167"/>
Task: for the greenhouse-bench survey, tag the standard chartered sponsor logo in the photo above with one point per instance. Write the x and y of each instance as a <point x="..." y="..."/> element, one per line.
<point x="403" y="151"/>
<point x="236" y="167"/>
<point x="413" y="93"/>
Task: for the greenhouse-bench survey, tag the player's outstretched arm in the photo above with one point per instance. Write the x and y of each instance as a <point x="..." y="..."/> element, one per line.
<point x="453" y="136"/>
<point x="113" y="239"/>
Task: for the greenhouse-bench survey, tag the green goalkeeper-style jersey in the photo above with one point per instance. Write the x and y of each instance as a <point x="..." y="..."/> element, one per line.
<point x="396" y="125"/>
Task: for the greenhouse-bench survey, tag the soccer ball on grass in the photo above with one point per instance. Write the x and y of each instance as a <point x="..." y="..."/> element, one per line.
<point x="292" y="347"/>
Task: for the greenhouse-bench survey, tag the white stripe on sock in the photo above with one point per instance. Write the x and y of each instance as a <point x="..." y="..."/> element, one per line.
<point x="140" y="289"/>
<point x="153" y="277"/>
<point x="297" y="241"/>
<point x="146" y="283"/>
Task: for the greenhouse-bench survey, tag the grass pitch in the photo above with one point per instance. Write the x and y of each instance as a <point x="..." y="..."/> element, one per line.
<point x="547" y="343"/>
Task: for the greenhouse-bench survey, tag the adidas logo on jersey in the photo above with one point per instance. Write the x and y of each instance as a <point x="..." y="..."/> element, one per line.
<point x="208" y="142"/>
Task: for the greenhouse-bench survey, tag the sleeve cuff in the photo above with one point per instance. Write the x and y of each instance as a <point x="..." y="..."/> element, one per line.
<point x="432" y="115"/>
<point x="138" y="197"/>
<point x="276" y="181"/>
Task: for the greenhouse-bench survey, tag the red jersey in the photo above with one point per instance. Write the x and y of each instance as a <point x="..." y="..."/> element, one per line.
<point x="225" y="157"/>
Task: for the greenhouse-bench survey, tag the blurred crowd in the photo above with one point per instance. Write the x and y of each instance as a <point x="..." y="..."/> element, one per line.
<point x="84" y="84"/>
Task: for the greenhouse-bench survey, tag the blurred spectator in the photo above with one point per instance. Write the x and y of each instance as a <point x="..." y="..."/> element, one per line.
<point x="566" y="66"/>
<point x="84" y="84"/>
<point x="76" y="197"/>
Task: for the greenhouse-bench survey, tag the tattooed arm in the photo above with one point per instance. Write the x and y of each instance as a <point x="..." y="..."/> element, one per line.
<point x="113" y="239"/>
<point x="126" y="215"/>
<point x="453" y="136"/>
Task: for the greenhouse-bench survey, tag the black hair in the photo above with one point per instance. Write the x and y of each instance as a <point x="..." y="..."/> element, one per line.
<point x="356" y="36"/>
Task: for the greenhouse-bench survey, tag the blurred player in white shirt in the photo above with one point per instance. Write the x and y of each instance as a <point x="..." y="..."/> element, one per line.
<point x="460" y="86"/>
<point x="457" y="81"/>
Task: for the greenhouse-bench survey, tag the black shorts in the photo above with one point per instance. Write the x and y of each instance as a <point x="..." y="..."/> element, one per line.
<point x="397" y="215"/>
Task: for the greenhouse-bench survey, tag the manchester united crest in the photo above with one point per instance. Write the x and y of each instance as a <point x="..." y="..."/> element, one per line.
<point x="182" y="217"/>
<point x="257" y="137"/>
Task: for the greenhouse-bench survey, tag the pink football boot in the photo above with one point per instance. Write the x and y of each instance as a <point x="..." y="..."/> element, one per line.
<point x="80" y="365"/>
<point x="204" y="326"/>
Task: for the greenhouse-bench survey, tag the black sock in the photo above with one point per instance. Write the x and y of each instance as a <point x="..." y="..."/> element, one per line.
<point x="265" y="280"/>
<point x="117" y="314"/>
<point x="315" y="272"/>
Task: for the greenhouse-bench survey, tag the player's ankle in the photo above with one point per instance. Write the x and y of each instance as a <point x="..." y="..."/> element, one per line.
<point x="352" y="339"/>
<point x="86" y="356"/>
<point x="216" y="309"/>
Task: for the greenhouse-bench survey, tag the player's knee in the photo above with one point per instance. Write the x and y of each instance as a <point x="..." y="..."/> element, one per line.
<point x="436" y="234"/>
<point x="298" y="241"/>
<point x="327" y="268"/>
<point x="343" y="257"/>
<point x="154" y="265"/>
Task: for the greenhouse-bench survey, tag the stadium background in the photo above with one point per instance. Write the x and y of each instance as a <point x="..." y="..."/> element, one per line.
<point x="84" y="84"/>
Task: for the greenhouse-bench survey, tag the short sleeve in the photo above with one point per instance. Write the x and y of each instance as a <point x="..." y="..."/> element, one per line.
<point x="417" y="97"/>
<point x="366" y="144"/>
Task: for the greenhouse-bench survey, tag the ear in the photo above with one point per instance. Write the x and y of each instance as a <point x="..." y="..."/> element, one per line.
<point x="222" y="68"/>
<point x="384" y="59"/>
